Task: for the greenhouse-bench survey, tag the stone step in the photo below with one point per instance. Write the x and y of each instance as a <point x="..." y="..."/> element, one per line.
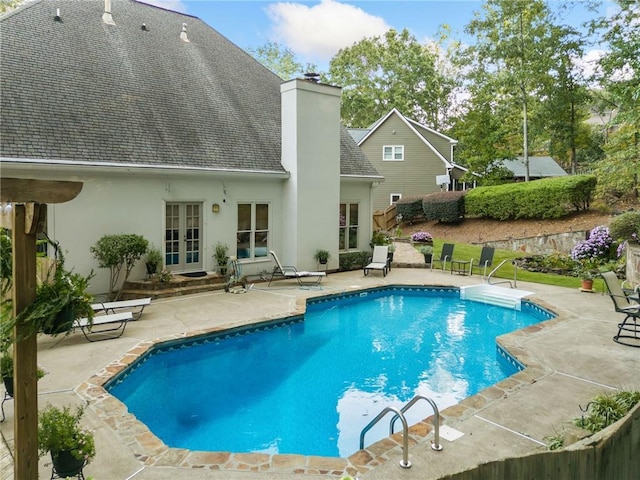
<point x="178" y="285"/>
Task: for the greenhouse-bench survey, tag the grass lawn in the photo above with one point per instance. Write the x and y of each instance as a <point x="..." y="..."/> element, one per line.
<point x="465" y="251"/>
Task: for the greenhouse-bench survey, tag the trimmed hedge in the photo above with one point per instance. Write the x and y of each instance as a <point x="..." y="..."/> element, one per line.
<point x="410" y="208"/>
<point x="446" y="207"/>
<point x="546" y="198"/>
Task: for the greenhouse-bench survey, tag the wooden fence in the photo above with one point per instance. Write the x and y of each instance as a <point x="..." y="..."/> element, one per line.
<point x="606" y="455"/>
<point x="385" y="220"/>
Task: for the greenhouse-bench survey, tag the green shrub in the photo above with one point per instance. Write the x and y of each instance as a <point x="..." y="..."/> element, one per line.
<point x="446" y="207"/>
<point x="607" y="409"/>
<point x="410" y="208"/>
<point x="353" y="260"/>
<point x="626" y="226"/>
<point x="546" y="198"/>
<point x="116" y="252"/>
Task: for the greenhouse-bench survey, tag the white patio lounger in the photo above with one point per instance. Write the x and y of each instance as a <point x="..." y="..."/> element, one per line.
<point x="137" y="306"/>
<point x="313" y="278"/>
<point x="114" y="322"/>
<point x="379" y="260"/>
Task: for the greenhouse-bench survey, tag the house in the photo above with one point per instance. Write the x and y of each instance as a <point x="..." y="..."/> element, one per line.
<point x="179" y="136"/>
<point x="413" y="159"/>
<point x="539" y="167"/>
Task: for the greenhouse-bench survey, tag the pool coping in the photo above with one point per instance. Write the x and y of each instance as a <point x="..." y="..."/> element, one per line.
<point x="151" y="451"/>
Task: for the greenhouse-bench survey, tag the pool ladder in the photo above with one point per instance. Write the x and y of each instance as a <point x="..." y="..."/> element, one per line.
<point x="399" y="414"/>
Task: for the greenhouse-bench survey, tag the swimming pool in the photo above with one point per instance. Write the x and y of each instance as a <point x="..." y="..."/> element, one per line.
<point x="272" y="388"/>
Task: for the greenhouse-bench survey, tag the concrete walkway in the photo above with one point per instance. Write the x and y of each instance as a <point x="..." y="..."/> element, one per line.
<point x="570" y="360"/>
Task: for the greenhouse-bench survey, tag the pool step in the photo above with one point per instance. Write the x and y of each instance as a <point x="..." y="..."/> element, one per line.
<point x="494" y="295"/>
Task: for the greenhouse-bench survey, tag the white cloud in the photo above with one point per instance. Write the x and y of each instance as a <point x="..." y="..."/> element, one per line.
<point x="319" y="31"/>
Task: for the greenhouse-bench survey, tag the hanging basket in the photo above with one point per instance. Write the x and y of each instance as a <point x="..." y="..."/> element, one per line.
<point x="62" y="321"/>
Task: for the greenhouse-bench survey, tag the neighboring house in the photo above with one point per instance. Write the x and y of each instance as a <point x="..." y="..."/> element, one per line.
<point x="539" y="167"/>
<point x="413" y="159"/>
<point x="179" y="136"/>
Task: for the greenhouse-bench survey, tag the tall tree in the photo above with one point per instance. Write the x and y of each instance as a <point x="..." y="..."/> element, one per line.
<point x="513" y="38"/>
<point x="280" y="60"/>
<point x="620" y="76"/>
<point x="390" y="71"/>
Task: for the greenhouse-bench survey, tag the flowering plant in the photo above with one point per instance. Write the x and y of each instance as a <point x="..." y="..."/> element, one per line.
<point x="421" y="237"/>
<point x="59" y="430"/>
<point x="584" y="270"/>
<point x="597" y="246"/>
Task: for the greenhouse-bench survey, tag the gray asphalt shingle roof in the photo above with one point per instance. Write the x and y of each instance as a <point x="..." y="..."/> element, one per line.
<point x="539" y="167"/>
<point x="80" y="90"/>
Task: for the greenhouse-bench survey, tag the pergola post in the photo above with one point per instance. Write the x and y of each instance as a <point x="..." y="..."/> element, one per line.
<point x="29" y="198"/>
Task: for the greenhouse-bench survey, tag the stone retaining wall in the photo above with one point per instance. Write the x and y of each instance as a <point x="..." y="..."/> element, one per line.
<point x="542" y="244"/>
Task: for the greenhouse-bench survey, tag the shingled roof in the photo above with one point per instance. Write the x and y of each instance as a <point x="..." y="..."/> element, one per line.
<point x="78" y="90"/>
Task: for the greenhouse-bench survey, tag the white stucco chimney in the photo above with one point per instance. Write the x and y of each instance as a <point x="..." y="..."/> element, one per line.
<point x="311" y="153"/>
<point x="106" y="16"/>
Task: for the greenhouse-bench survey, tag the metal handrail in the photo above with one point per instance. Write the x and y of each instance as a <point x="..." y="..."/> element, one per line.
<point x="404" y="463"/>
<point x="515" y="273"/>
<point x="436" y="440"/>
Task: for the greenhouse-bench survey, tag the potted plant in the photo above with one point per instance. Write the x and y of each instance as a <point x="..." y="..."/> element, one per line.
<point x="221" y="254"/>
<point x="427" y="251"/>
<point x="585" y="271"/>
<point x="6" y="372"/>
<point x="60" y="299"/>
<point x="153" y="261"/>
<point x="422" y="237"/>
<point x="71" y="446"/>
<point x="322" y="256"/>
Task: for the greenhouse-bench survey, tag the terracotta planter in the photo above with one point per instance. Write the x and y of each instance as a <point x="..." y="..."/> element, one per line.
<point x="587" y="284"/>
<point x="66" y="465"/>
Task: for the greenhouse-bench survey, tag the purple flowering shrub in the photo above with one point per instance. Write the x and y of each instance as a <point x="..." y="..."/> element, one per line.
<point x="421" y="237"/>
<point x="596" y="247"/>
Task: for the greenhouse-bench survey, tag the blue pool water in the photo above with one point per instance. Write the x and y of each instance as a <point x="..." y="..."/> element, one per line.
<point x="309" y="387"/>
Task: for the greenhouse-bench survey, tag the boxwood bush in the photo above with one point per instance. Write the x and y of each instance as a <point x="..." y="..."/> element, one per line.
<point x="546" y="198"/>
<point x="410" y="208"/>
<point x="447" y="207"/>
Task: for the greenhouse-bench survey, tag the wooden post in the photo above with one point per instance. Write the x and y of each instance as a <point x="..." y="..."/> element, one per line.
<point x="25" y="381"/>
<point x="29" y="197"/>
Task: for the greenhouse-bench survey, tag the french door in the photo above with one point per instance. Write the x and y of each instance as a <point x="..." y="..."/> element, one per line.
<point x="183" y="236"/>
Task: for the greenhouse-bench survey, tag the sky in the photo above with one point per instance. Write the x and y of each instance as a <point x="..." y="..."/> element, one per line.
<point x="316" y="30"/>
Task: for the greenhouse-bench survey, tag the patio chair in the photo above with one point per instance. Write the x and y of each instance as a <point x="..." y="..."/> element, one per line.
<point x="107" y="323"/>
<point x="445" y="256"/>
<point x="627" y="303"/>
<point x="303" y="277"/>
<point x="110" y="307"/>
<point x="486" y="260"/>
<point x="379" y="260"/>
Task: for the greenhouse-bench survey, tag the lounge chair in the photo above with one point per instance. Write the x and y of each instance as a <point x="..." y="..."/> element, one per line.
<point x="486" y="260"/>
<point x="303" y="277"/>
<point x="113" y="322"/>
<point x="110" y="307"/>
<point x="445" y="256"/>
<point x="627" y="303"/>
<point x="379" y="260"/>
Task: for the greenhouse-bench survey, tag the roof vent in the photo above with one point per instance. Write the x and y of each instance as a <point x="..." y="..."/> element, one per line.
<point x="183" y="34"/>
<point x="144" y="27"/>
<point x="106" y="16"/>
<point x="57" y="18"/>
<point x="312" y="77"/>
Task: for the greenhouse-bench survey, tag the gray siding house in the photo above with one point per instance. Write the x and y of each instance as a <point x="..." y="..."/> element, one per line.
<point x="179" y="136"/>
<point x="413" y="159"/>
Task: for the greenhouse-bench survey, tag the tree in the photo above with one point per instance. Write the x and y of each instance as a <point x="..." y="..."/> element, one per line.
<point x="116" y="252"/>
<point x="280" y="60"/>
<point x="513" y="40"/>
<point x="620" y="76"/>
<point x="392" y="71"/>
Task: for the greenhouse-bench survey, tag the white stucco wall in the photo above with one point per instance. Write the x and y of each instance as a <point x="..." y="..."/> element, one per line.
<point x="131" y="202"/>
<point x="311" y="154"/>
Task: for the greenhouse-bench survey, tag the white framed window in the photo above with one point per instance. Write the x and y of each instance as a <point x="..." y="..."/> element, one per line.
<point x="348" y="233"/>
<point x="393" y="153"/>
<point x="253" y="231"/>
<point x="394" y="197"/>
